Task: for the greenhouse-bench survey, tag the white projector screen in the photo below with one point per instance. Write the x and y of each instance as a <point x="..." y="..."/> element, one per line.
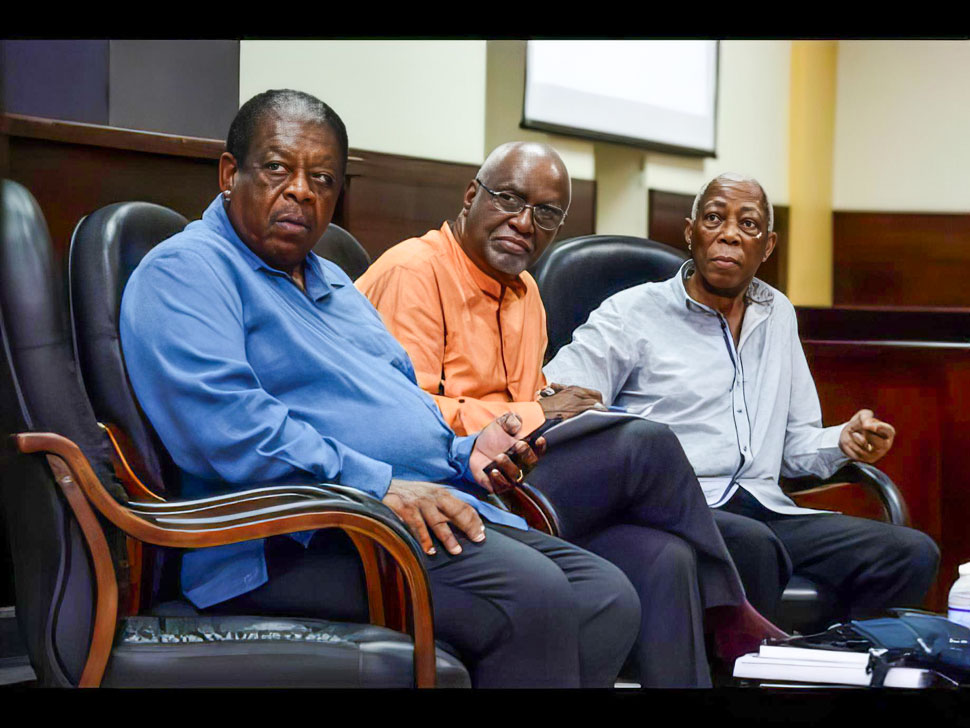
<point x="659" y="94"/>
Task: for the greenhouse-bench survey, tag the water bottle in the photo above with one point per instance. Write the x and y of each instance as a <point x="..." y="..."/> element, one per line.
<point x="959" y="601"/>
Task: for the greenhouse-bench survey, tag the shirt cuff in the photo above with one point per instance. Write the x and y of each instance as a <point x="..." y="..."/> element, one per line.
<point x="364" y="473"/>
<point x="829" y="451"/>
<point x="460" y="454"/>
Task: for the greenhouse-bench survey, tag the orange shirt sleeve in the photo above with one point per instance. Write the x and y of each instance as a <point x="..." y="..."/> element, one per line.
<point x="410" y="305"/>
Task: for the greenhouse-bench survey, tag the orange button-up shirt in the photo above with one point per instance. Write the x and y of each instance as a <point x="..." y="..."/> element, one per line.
<point x="476" y="345"/>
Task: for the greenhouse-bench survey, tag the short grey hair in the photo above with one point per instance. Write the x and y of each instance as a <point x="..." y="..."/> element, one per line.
<point x="734" y="177"/>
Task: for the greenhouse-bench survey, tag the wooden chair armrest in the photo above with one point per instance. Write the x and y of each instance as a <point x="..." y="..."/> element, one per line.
<point x="531" y="504"/>
<point x="856" y="473"/>
<point x="230" y="519"/>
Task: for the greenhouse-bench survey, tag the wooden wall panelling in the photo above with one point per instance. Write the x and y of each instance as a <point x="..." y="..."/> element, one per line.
<point x="667" y="211"/>
<point x="581" y="218"/>
<point x="955" y="504"/>
<point x="73" y="169"/>
<point x="72" y="180"/>
<point x="391" y="199"/>
<point x="912" y="368"/>
<point x="901" y="259"/>
<point x="906" y="389"/>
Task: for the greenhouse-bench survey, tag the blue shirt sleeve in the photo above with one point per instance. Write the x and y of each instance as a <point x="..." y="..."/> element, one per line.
<point x="184" y="343"/>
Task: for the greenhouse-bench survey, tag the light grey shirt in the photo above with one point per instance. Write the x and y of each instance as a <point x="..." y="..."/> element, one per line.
<point x="743" y="413"/>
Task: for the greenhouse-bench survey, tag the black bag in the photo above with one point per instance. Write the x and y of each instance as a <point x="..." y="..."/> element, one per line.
<point x="906" y="638"/>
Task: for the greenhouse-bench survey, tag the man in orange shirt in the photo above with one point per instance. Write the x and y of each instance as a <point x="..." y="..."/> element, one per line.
<point x="460" y="302"/>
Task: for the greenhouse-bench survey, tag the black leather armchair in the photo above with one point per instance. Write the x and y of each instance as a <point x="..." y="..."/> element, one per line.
<point x="74" y="527"/>
<point x="576" y="275"/>
<point x="342" y="248"/>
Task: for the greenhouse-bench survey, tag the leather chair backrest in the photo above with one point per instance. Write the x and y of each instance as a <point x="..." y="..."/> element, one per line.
<point x="576" y="275"/>
<point x="40" y="391"/>
<point x="339" y="246"/>
<point x="106" y="248"/>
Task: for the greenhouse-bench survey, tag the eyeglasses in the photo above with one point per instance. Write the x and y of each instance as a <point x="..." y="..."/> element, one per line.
<point x="548" y="217"/>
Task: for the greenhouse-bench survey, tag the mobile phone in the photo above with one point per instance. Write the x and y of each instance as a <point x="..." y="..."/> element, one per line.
<point x="531" y="440"/>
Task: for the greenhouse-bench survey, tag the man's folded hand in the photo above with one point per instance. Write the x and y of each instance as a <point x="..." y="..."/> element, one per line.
<point x="424" y="505"/>
<point x="569" y="401"/>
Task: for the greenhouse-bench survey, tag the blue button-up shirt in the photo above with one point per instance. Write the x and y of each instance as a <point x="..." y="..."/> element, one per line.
<point x="744" y="413"/>
<point x="250" y="381"/>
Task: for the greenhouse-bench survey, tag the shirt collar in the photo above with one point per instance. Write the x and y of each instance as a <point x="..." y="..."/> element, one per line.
<point x="758" y="292"/>
<point x="485" y="282"/>
<point x="319" y="281"/>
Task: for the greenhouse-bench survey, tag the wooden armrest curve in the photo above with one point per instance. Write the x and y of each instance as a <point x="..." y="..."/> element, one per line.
<point x="281" y="514"/>
<point x="856" y="473"/>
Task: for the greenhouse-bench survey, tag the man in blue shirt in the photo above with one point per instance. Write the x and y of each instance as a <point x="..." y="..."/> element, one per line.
<point x="259" y="363"/>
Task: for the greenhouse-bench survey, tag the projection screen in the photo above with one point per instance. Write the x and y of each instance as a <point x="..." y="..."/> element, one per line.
<point x="658" y="94"/>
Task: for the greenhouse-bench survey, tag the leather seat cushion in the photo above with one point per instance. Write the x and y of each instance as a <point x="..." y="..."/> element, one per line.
<point x="236" y="651"/>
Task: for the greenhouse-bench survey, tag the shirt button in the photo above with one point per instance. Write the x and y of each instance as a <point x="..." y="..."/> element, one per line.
<point x="740" y="411"/>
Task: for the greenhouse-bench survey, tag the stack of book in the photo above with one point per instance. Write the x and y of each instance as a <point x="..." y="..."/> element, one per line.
<point x="803" y="665"/>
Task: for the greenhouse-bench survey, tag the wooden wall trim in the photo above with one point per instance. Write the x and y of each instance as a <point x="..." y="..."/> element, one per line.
<point x="75" y="132"/>
<point x="386" y="197"/>
<point x="925" y="326"/>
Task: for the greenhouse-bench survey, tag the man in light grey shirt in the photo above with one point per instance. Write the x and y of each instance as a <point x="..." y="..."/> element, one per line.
<point x="714" y="354"/>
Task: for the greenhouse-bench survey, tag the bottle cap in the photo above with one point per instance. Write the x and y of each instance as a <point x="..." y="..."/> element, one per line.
<point x="964" y="569"/>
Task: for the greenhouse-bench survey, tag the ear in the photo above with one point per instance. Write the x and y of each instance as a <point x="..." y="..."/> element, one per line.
<point x="227" y="171"/>
<point x="469" y="197"/>
<point x="770" y="246"/>
<point x="687" y="231"/>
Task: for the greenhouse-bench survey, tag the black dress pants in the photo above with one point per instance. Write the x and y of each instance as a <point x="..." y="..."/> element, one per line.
<point x="869" y="565"/>
<point x="629" y="494"/>
<point x="522" y="609"/>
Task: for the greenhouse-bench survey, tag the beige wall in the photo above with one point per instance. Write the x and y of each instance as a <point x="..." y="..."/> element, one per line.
<point x="416" y="98"/>
<point x="902" y="114"/>
<point x="752" y="123"/>
<point x="902" y="131"/>
<point x="505" y="87"/>
<point x="456" y="100"/>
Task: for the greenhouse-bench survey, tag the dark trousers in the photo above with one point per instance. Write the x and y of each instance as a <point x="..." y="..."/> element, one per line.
<point x="629" y="494"/>
<point x="522" y="609"/>
<point x="869" y="565"/>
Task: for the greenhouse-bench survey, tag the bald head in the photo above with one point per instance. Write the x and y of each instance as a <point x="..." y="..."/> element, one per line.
<point x="497" y="225"/>
<point x="541" y="160"/>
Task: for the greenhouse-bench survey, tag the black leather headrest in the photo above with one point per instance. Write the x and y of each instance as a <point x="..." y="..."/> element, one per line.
<point x="339" y="246"/>
<point x="576" y="275"/>
<point x="37" y="338"/>
<point x="106" y="248"/>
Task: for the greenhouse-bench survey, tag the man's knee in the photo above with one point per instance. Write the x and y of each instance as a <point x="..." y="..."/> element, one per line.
<point x="916" y="551"/>
<point x="676" y="560"/>
<point x="645" y="432"/>
<point x="647" y="446"/>
<point x="755" y="548"/>
<point x="542" y="598"/>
